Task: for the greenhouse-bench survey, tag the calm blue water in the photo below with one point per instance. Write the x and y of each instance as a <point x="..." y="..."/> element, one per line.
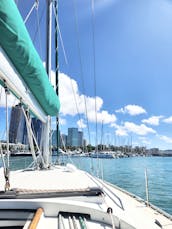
<point x="128" y="173"/>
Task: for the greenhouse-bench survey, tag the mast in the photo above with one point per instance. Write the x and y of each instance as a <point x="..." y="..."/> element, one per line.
<point x="49" y="33"/>
<point x="47" y="126"/>
<point x="56" y="71"/>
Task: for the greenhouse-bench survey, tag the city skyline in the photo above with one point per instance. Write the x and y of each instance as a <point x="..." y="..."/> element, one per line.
<point x="74" y="138"/>
<point x="18" y="131"/>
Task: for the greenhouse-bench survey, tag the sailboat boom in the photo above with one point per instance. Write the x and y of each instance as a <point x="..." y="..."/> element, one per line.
<point x="17" y="86"/>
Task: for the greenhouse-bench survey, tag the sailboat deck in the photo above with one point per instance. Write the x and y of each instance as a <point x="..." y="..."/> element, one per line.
<point x="58" y="178"/>
<point x="76" y="191"/>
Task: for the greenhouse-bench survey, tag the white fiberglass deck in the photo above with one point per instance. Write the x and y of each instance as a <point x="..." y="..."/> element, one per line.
<point x="128" y="212"/>
<point x="57" y="178"/>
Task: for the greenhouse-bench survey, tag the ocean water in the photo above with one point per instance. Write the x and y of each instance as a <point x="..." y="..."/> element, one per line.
<point x="127" y="173"/>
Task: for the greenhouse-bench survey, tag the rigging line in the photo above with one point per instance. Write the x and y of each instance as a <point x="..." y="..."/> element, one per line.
<point x="102" y="133"/>
<point x="35" y="5"/>
<point x="66" y="60"/>
<point x="1" y="150"/>
<point x="28" y="15"/>
<point x="95" y="83"/>
<point x="7" y="126"/>
<point x="77" y="109"/>
<point x="3" y="134"/>
<point x="2" y="156"/>
<point x="63" y="143"/>
<point x="1" y="96"/>
<point x="81" y="66"/>
<point x="55" y="9"/>
<point x="60" y="36"/>
<point x="62" y="44"/>
<point x="40" y="20"/>
<point x="65" y="57"/>
<point x="30" y="136"/>
<point x="65" y="149"/>
<point x="82" y="80"/>
<point x="39" y="31"/>
<point x="94" y="65"/>
<point x="34" y="135"/>
<point x="75" y="99"/>
<point x="6" y="170"/>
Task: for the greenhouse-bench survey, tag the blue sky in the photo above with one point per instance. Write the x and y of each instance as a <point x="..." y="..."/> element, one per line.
<point x="132" y="50"/>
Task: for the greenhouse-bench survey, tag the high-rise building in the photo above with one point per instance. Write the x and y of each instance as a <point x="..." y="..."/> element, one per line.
<point x="80" y="138"/>
<point x="37" y="129"/>
<point x="72" y="138"/>
<point x="84" y="142"/>
<point x="18" y="129"/>
<point x="75" y="137"/>
<point x="17" y="125"/>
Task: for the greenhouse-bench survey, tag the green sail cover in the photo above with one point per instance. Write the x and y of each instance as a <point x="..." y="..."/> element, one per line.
<point x="16" y="42"/>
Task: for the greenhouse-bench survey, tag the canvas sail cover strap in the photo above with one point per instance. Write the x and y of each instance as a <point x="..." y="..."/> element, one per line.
<point x="16" y="43"/>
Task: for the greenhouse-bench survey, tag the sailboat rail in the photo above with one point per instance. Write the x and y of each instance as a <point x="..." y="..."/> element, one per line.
<point x="139" y="199"/>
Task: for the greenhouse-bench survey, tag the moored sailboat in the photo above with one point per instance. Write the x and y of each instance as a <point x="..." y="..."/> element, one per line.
<point x="46" y="195"/>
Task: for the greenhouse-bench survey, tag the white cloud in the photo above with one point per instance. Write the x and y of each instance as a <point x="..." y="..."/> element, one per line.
<point x="121" y="132"/>
<point x="101" y="116"/>
<point x="166" y="139"/>
<point x="66" y="88"/>
<point x="62" y="121"/>
<point x="90" y="103"/>
<point x="73" y="102"/>
<point x="114" y="125"/>
<point x="145" y="141"/>
<point x="154" y="120"/>
<point x="81" y="124"/>
<point x="129" y="127"/>
<point x="132" y="110"/>
<point x="168" y="120"/>
<point x="138" y="129"/>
